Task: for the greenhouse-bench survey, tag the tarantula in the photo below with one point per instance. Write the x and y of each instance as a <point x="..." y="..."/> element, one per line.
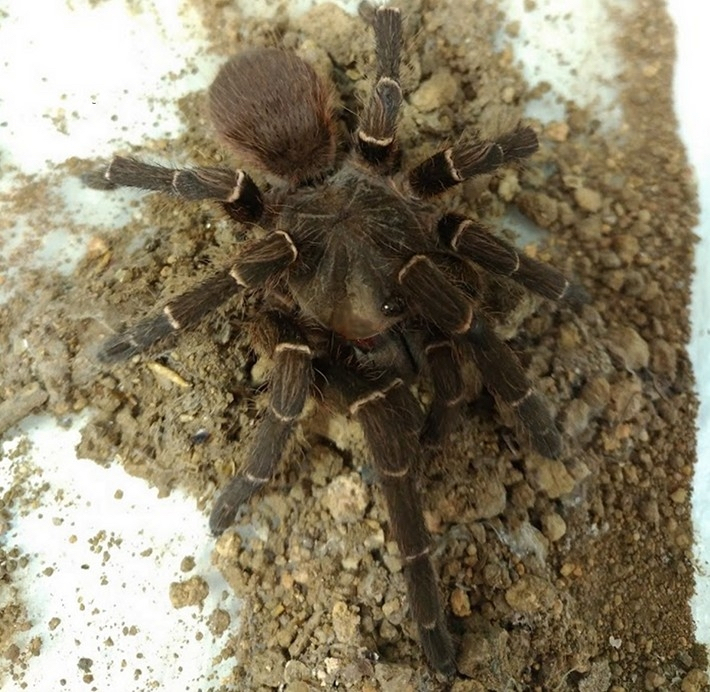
<point x="364" y="287"/>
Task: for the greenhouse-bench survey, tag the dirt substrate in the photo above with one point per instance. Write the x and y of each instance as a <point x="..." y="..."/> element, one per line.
<point x="573" y="574"/>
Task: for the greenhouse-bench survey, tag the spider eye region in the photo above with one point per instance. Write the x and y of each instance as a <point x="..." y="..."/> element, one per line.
<point x="393" y="306"/>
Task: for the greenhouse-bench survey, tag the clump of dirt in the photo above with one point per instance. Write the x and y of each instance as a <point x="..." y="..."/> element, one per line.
<point x="573" y="574"/>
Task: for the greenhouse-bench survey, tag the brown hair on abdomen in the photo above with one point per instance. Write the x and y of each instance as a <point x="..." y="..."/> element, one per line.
<point x="275" y="112"/>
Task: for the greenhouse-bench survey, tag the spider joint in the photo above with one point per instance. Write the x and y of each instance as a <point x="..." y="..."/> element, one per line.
<point x="453" y="171"/>
<point x="377" y="141"/>
<point x="468" y="320"/>
<point x="234" y="273"/>
<point x="107" y="172"/>
<point x="287" y="346"/>
<point x="415" y="556"/>
<point x="398" y="473"/>
<point x="435" y="346"/>
<point x="518" y="402"/>
<point x="174" y="323"/>
<point x="236" y="192"/>
<point x="255" y="479"/>
<point x="291" y="246"/>
<point x="280" y="416"/>
<point x="410" y="264"/>
<point x="373" y="396"/>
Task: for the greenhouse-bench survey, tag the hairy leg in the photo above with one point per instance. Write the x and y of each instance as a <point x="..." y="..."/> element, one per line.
<point x="376" y="136"/>
<point x="259" y="260"/>
<point x="290" y="386"/>
<point x="391" y="421"/>
<point x="473" y="241"/>
<point x="467" y="159"/>
<point x="236" y="191"/>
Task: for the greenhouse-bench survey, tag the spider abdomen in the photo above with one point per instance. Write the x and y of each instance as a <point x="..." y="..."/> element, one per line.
<point x="275" y="112"/>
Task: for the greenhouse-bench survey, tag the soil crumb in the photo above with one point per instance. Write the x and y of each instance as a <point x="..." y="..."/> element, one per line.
<point x="573" y="574"/>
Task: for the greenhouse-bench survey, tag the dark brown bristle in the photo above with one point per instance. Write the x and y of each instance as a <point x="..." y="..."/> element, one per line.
<point x="275" y="111"/>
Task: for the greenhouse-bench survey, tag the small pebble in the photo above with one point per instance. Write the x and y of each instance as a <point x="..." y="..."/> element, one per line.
<point x="439" y="90"/>
<point x="346" y="498"/>
<point x="531" y="594"/>
<point x="588" y="200"/>
<point x="191" y="592"/>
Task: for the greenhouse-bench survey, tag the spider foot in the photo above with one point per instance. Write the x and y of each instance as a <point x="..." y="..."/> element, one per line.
<point x="97" y="180"/>
<point x="438" y="647"/>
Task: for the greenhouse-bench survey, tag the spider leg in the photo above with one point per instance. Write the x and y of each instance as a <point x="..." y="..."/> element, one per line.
<point x="442" y="360"/>
<point x="259" y="261"/>
<point x="391" y="419"/>
<point x="503" y="375"/>
<point x="465" y="160"/>
<point x="290" y="385"/>
<point x="473" y="241"/>
<point x="427" y="289"/>
<point x="237" y="192"/>
<point x="376" y="136"/>
<point x="182" y="311"/>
